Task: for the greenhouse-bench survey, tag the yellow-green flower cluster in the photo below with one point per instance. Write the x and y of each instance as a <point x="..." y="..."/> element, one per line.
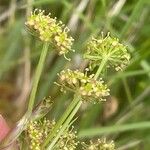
<point x="90" y="89"/>
<point x="67" y="141"/>
<point x="50" y="30"/>
<point x="100" y="144"/>
<point x="107" y="48"/>
<point x="38" y="131"/>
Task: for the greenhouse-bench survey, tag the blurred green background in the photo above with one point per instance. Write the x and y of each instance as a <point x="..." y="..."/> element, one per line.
<point x="125" y="116"/>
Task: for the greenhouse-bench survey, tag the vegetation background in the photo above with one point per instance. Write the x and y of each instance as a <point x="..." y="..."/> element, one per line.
<point x="125" y="117"/>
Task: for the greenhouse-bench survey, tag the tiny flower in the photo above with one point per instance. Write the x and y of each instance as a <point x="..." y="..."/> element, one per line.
<point x="89" y="88"/>
<point x="50" y="30"/>
<point x="100" y="144"/>
<point x="107" y="48"/>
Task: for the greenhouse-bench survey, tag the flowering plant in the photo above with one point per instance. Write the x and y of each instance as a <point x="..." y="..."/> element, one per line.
<point x="101" y="52"/>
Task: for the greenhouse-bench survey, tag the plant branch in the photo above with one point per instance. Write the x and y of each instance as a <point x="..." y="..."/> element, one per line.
<point x="62" y="119"/>
<point x="65" y="125"/>
<point x="103" y="63"/>
<point x="37" y="77"/>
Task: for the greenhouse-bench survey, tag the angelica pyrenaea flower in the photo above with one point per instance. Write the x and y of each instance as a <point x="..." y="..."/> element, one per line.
<point x="108" y="48"/>
<point x="37" y="132"/>
<point x="100" y="144"/>
<point x="50" y="30"/>
<point x="90" y="89"/>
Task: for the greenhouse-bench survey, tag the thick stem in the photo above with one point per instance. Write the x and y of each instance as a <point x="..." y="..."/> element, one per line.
<point x="103" y="63"/>
<point x="65" y="125"/>
<point x="62" y="119"/>
<point x="37" y="77"/>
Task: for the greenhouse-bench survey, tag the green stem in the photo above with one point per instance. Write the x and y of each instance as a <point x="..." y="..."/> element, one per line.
<point x="103" y="63"/>
<point x="62" y="119"/>
<point x="65" y="125"/>
<point x="37" y="77"/>
<point x="71" y="108"/>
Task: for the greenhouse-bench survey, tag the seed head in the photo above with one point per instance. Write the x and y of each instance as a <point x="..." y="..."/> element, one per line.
<point x="50" y="30"/>
<point x="87" y="86"/>
<point x="109" y="48"/>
